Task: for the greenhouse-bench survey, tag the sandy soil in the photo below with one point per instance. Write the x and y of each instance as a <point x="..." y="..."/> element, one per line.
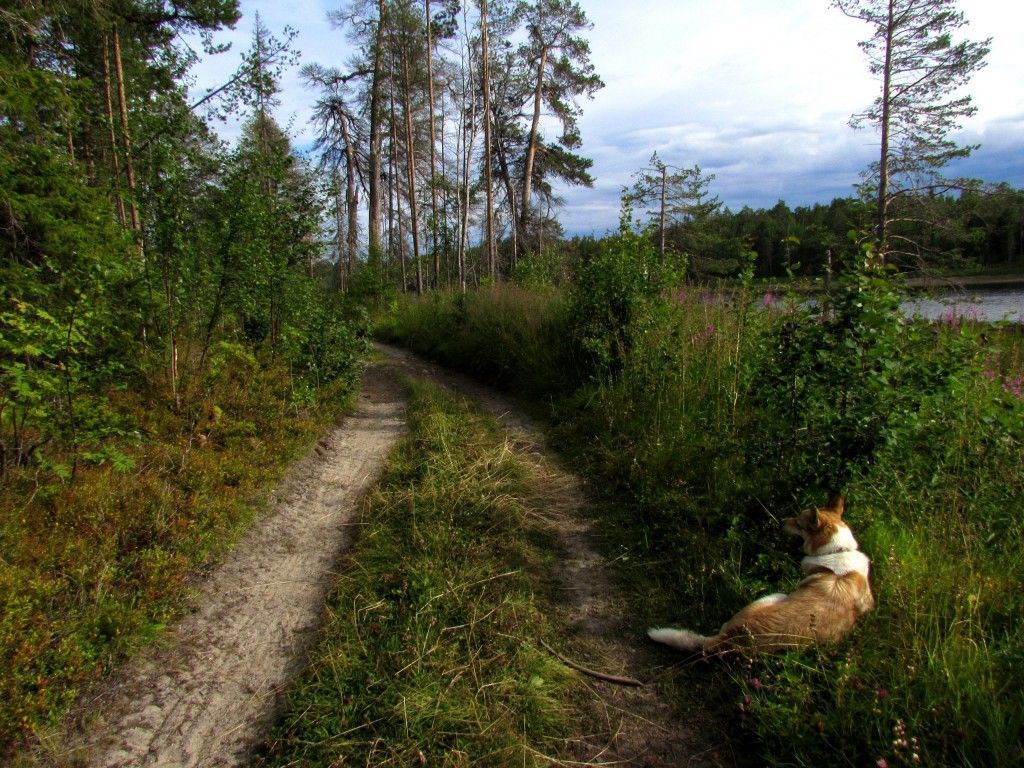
<point x="207" y="694"/>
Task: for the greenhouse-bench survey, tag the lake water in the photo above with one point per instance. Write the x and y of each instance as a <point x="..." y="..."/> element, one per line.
<point x="972" y="303"/>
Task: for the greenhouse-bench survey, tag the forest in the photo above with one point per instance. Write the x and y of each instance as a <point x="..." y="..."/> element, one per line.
<point x="181" y="317"/>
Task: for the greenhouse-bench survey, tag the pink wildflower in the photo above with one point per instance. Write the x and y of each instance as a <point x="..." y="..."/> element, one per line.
<point x="882" y="763"/>
<point x="704" y="336"/>
<point x="974" y="314"/>
<point x="755" y="684"/>
<point x="882" y="693"/>
<point x="681" y="297"/>
<point x="769" y="300"/>
<point x="1014" y="386"/>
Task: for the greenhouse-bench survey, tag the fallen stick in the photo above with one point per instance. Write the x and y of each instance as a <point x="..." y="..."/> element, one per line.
<point x="631" y="681"/>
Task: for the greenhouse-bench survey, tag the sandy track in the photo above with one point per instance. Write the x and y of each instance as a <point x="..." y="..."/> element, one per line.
<point x="208" y="694"/>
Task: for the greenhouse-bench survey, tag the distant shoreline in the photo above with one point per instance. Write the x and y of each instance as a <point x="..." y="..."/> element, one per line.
<point x="918" y="283"/>
<point x="967" y="281"/>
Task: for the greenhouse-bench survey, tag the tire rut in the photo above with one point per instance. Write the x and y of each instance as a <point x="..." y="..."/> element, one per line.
<point x="630" y="726"/>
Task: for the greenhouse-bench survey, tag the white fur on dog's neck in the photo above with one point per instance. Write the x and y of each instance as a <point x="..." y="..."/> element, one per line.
<point x="840" y="563"/>
<point x="840" y="555"/>
<point x="842" y="541"/>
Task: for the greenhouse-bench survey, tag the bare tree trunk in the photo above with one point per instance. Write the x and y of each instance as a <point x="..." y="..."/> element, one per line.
<point x="467" y="167"/>
<point x="376" y="113"/>
<point x="126" y="134"/>
<point x="340" y="235"/>
<point x="485" y="77"/>
<point x="351" y="195"/>
<point x="883" y="160"/>
<point x="433" y="150"/>
<point x="397" y="191"/>
<point x="445" y="199"/>
<point x="468" y="133"/>
<point x="115" y="164"/>
<point x="661" y="222"/>
<point x="410" y="165"/>
<point x="511" y="195"/>
<point x="531" y="146"/>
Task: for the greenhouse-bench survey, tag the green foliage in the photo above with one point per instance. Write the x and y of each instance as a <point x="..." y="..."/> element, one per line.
<point x="613" y="294"/>
<point x="529" y="325"/>
<point x="539" y="270"/>
<point x="68" y="312"/>
<point x="723" y="418"/>
<point x="841" y="379"/>
<point x="330" y="343"/>
<point x="164" y="346"/>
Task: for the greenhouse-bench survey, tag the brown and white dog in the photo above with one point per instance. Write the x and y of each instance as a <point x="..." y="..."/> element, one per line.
<point x="822" y="609"/>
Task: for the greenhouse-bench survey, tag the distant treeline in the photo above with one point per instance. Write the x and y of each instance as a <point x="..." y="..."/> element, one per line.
<point x="974" y="230"/>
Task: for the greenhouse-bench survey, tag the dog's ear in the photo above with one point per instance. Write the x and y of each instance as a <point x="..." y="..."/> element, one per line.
<point x="815" y="518"/>
<point x="837" y="504"/>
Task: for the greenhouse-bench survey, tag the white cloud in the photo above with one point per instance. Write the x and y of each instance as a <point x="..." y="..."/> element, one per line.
<point x="758" y="92"/>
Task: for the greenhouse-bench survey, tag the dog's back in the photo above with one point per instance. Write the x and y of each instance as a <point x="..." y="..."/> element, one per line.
<point x="822" y="609"/>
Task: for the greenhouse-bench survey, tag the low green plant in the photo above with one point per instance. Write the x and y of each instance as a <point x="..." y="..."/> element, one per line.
<point x="91" y="568"/>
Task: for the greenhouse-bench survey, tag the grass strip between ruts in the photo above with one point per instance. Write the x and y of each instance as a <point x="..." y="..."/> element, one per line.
<point x="432" y="651"/>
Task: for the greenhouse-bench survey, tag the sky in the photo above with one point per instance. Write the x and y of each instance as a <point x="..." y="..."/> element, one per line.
<point x="757" y="92"/>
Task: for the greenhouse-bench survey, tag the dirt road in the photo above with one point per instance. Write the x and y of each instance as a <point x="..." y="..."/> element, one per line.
<point x="206" y="695"/>
<point x="630" y="726"/>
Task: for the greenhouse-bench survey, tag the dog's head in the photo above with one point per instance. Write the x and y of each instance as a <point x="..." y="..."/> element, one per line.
<point x="822" y="528"/>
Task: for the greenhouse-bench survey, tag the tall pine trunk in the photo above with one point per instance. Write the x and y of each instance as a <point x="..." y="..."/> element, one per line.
<point x="126" y="135"/>
<point x="410" y="165"/>
<point x="531" y="146"/>
<point x="485" y="77"/>
<point x="351" y="195"/>
<point x="376" y="117"/>
<point x="115" y="164"/>
<point x="433" y="150"/>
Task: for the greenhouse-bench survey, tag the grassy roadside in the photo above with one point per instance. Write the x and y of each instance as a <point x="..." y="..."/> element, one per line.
<point x="933" y="676"/>
<point x="432" y="653"/>
<point x="91" y="568"/>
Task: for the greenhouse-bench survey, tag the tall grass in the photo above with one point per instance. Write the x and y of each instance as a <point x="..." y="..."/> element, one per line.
<point x="91" y="568"/>
<point x="683" y="437"/>
<point x="467" y="331"/>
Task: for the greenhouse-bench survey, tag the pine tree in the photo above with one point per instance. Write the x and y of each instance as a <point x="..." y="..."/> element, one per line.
<point x="679" y="195"/>
<point x="922" y="71"/>
<point x="560" y="60"/>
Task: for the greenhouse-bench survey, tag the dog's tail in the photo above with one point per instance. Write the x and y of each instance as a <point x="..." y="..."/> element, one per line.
<point x="683" y="639"/>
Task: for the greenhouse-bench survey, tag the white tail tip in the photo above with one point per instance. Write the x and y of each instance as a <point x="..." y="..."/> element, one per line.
<point x="683" y="639"/>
